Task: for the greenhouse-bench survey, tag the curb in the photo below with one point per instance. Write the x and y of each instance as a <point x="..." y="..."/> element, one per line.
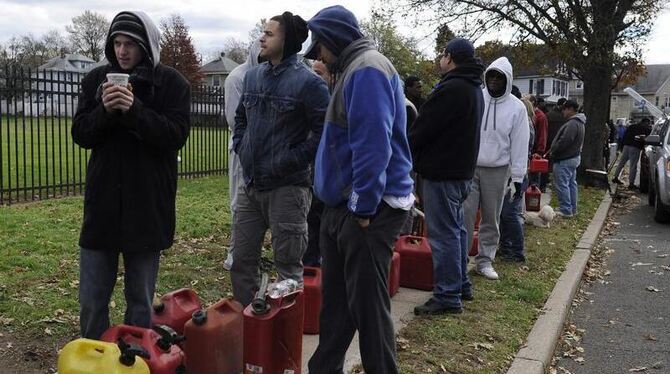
<point x="536" y="355"/>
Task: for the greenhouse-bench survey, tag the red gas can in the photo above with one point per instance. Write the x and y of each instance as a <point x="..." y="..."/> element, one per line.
<point x="416" y="262"/>
<point x="214" y="339"/>
<point x="478" y="220"/>
<point x="312" y="280"/>
<point x="538" y="165"/>
<point x="273" y="340"/>
<point x="533" y="198"/>
<point x="394" y="274"/>
<point x="474" y="250"/>
<point x="175" y="308"/>
<point x="165" y="357"/>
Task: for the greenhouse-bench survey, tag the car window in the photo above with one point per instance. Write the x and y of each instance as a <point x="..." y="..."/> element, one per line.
<point x="664" y="130"/>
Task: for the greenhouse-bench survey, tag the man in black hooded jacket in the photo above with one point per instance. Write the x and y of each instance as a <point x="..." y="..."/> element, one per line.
<point x="445" y="143"/>
<point x="134" y="133"/>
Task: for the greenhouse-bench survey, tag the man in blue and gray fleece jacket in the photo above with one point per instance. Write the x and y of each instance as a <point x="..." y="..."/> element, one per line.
<point x="362" y="175"/>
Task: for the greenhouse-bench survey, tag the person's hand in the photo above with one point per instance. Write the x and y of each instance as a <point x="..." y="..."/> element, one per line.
<point x="536" y="156"/>
<point x="116" y="97"/>
<point x="517" y="190"/>
<point x="364" y="222"/>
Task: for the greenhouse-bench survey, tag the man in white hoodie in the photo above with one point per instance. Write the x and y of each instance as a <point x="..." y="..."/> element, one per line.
<point x="232" y="94"/>
<point x="501" y="163"/>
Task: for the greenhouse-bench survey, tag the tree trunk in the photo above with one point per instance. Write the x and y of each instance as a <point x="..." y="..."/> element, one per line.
<point x="597" y="82"/>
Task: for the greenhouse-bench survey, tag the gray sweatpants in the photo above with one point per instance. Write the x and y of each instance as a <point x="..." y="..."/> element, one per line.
<point x="487" y="193"/>
<point x="284" y="211"/>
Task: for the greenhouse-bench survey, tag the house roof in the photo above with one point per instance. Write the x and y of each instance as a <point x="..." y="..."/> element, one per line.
<point x="221" y="64"/>
<point x="66" y="63"/>
<point x="654" y="78"/>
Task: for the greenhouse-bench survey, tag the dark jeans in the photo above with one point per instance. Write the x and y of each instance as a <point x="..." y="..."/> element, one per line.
<point x="511" y="244"/>
<point x="97" y="277"/>
<point x="355" y="269"/>
<point x="448" y="239"/>
<point x="312" y="256"/>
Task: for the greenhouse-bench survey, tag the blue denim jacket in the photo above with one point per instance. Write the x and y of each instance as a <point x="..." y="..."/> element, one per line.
<point x="278" y="124"/>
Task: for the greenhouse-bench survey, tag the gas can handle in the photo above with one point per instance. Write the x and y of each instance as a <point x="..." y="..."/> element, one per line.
<point x="287" y="300"/>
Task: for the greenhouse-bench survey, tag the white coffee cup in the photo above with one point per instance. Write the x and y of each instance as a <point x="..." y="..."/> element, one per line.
<point x="118" y="79"/>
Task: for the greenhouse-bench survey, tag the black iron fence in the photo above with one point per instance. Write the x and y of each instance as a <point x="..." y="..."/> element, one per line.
<point x="38" y="158"/>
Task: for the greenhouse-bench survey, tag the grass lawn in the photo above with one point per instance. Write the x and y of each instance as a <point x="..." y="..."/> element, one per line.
<point x="485" y="338"/>
<point x="39" y="272"/>
<point x="39" y="266"/>
<point x="39" y="151"/>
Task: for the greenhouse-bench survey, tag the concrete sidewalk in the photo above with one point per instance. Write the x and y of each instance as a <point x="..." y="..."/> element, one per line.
<point x="402" y="310"/>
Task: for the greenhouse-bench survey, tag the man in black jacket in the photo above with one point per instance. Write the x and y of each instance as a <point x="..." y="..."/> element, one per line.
<point x="632" y="147"/>
<point x="445" y="144"/>
<point x="134" y="133"/>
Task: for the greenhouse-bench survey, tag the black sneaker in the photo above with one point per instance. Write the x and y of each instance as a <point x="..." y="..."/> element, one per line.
<point x="433" y="308"/>
<point x="467" y="296"/>
<point x="632" y="187"/>
<point x="617" y="181"/>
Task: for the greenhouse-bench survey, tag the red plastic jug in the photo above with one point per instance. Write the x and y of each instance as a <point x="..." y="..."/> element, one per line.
<point x="312" y="280"/>
<point x="533" y="198"/>
<point x="474" y="249"/>
<point x="175" y="308"/>
<point x="394" y="274"/>
<point x="538" y="165"/>
<point x="416" y="262"/>
<point x="273" y="339"/>
<point x="165" y="356"/>
<point x="214" y="339"/>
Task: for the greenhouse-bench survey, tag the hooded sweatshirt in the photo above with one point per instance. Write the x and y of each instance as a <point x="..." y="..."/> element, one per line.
<point x="569" y="139"/>
<point x="445" y="137"/>
<point x="505" y="128"/>
<point x="131" y="179"/>
<point x="233" y="85"/>
<point x="363" y="156"/>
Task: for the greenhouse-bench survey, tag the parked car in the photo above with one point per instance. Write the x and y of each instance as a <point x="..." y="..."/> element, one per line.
<point x="657" y="152"/>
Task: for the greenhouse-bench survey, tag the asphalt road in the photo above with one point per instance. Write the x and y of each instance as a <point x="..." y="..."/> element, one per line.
<point x="626" y="318"/>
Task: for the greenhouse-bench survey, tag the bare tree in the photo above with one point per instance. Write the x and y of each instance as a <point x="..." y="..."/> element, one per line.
<point x="583" y="33"/>
<point x="88" y="33"/>
<point x="236" y="49"/>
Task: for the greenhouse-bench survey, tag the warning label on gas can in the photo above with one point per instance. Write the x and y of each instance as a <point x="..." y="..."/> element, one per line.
<point x="289" y="371"/>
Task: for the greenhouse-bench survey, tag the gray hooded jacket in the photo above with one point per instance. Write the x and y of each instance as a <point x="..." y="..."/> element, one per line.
<point x="569" y="139"/>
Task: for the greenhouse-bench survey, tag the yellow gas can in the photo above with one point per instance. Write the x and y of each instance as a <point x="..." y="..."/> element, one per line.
<point x="86" y="356"/>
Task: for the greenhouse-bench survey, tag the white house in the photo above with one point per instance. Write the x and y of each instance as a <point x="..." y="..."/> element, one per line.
<point x="549" y="84"/>
<point x="217" y="71"/>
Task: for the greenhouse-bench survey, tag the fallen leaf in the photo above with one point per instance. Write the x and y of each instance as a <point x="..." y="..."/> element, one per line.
<point x="642" y="264"/>
<point x="607" y="272"/>
<point x="638" y="369"/>
<point x="48" y="331"/>
<point x="580" y="360"/>
<point x="112" y="304"/>
<point x="9" y="345"/>
<point x="653" y="289"/>
<point x="443" y="368"/>
<point x="657" y="365"/>
<point x="487" y="346"/>
<point x="650" y="337"/>
<point x="6" y="321"/>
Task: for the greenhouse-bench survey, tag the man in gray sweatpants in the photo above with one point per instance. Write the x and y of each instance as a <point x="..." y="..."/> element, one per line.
<point x="503" y="153"/>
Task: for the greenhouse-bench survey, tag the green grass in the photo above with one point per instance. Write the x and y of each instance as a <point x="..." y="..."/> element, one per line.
<point x="39" y="266"/>
<point x="39" y="151"/>
<point x="503" y="312"/>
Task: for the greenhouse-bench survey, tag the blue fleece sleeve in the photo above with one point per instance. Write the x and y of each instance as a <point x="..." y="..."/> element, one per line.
<point x="370" y="106"/>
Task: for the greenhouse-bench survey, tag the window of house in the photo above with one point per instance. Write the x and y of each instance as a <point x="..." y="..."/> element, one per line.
<point x="656" y="100"/>
<point x="216" y="80"/>
<point x="579" y="85"/>
<point x="564" y="89"/>
<point x="530" y="86"/>
<point x="540" y="86"/>
<point x="667" y="102"/>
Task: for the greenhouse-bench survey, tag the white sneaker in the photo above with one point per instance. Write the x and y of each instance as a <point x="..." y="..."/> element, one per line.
<point x="488" y="273"/>
<point x="560" y="214"/>
<point x="229" y="262"/>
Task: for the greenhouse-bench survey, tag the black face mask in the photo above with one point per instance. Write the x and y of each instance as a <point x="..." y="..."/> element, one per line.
<point x="496" y="87"/>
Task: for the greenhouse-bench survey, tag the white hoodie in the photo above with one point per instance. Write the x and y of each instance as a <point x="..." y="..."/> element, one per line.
<point x="505" y="130"/>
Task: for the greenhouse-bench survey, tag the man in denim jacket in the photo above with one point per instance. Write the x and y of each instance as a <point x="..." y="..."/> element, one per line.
<point x="278" y="125"/>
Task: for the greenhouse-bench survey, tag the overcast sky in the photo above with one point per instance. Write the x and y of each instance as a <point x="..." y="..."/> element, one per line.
<point x="211" y="22"/>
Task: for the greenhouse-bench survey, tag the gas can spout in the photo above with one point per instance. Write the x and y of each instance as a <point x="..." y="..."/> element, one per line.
<point x="258" y="305"/>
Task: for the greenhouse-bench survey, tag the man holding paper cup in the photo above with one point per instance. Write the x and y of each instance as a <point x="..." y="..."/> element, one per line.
<point x="133" y="115"/>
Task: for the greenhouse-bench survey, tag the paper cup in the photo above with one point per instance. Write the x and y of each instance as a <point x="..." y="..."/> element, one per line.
<point x="118" y="79"/>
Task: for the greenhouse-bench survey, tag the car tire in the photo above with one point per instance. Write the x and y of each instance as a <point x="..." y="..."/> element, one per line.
<point x="661" y="214"/>
<point x="644" y="183"/>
